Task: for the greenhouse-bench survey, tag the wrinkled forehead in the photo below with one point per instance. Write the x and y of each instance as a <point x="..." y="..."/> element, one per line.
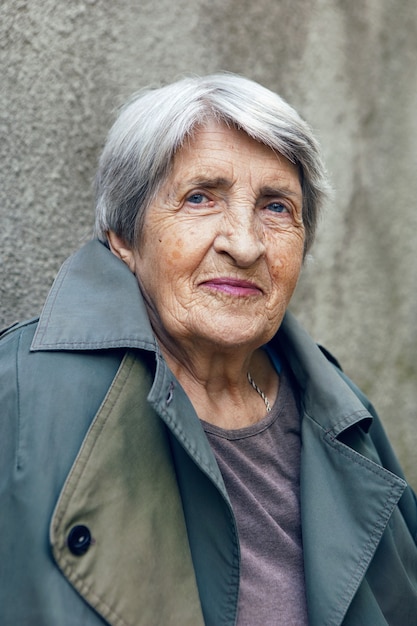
<point x="219" y="150"/>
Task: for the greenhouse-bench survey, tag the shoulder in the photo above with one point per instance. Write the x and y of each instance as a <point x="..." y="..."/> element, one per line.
<point x="48" y="396"/>
<point x="43" y="377"/>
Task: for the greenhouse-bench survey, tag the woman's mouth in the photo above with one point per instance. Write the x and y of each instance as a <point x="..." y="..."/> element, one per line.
<point x="232" y="286"/>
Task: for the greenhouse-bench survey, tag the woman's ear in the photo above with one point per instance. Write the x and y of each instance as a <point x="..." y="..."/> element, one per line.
<point x="121" y="250"/>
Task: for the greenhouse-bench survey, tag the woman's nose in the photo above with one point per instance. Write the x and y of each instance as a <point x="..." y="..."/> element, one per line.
<point x="240" y="237"/>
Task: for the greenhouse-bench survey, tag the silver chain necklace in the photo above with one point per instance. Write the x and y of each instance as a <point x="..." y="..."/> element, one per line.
<point x="261" y="393"/>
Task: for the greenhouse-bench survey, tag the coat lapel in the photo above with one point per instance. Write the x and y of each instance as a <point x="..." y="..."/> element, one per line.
<point x="346" y="503"/>
<point x="137" y="569"/>
<point x="347" y="497"/>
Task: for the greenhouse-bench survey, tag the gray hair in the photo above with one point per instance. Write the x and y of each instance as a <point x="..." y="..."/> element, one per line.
<point x="154" y="124"/>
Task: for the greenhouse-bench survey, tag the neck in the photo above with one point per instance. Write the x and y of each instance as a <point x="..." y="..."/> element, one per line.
<point x="217" y="383"/>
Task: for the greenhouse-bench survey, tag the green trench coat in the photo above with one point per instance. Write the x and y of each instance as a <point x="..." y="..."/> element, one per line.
<point x="112" y="506"/>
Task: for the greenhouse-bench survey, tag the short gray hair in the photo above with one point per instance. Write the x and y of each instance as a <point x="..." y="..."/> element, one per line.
<point x="154" y="124"/>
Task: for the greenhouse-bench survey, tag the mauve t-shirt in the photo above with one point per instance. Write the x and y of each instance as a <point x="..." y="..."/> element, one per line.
<point x="260" y="465"/>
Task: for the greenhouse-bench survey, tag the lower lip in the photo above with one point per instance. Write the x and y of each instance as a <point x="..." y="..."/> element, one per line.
<point x="232" y="289"/>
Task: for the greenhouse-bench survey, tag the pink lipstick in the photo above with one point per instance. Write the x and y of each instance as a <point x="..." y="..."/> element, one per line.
<point x="232" y="286"/>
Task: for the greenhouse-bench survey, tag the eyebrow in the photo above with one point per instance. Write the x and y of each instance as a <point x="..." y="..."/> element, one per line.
<point x="209" y="182"/>
<point x="224" y="183"/>
<point x="277" y="191"/>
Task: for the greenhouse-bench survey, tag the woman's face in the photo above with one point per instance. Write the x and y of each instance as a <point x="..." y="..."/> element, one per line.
<point x="222" y="244"/>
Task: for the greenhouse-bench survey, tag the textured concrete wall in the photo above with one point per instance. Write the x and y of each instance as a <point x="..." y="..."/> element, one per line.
<point x="349" y="67"/>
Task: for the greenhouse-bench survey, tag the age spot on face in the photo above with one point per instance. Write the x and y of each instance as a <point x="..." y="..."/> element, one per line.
<point x="175" y="249"/>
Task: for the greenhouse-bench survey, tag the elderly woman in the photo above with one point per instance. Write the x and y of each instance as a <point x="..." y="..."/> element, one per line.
<point x="176" y="450"/>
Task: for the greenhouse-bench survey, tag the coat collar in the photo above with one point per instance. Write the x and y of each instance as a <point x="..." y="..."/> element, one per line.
<point x="94" y="304"/>
<point x="324" y="392"/>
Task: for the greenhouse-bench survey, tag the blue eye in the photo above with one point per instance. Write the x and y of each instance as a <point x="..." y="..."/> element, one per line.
<point x="277" y="207"/>
<point x="197" y="198"/>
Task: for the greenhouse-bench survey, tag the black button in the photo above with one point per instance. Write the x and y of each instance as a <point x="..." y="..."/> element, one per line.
<point x="79" y="540"/>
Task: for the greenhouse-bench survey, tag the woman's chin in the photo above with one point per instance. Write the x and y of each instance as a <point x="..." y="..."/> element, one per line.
<point x="232" y="333"/>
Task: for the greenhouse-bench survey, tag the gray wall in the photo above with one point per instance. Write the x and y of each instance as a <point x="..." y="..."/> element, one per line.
<point x="349" y="67"/>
